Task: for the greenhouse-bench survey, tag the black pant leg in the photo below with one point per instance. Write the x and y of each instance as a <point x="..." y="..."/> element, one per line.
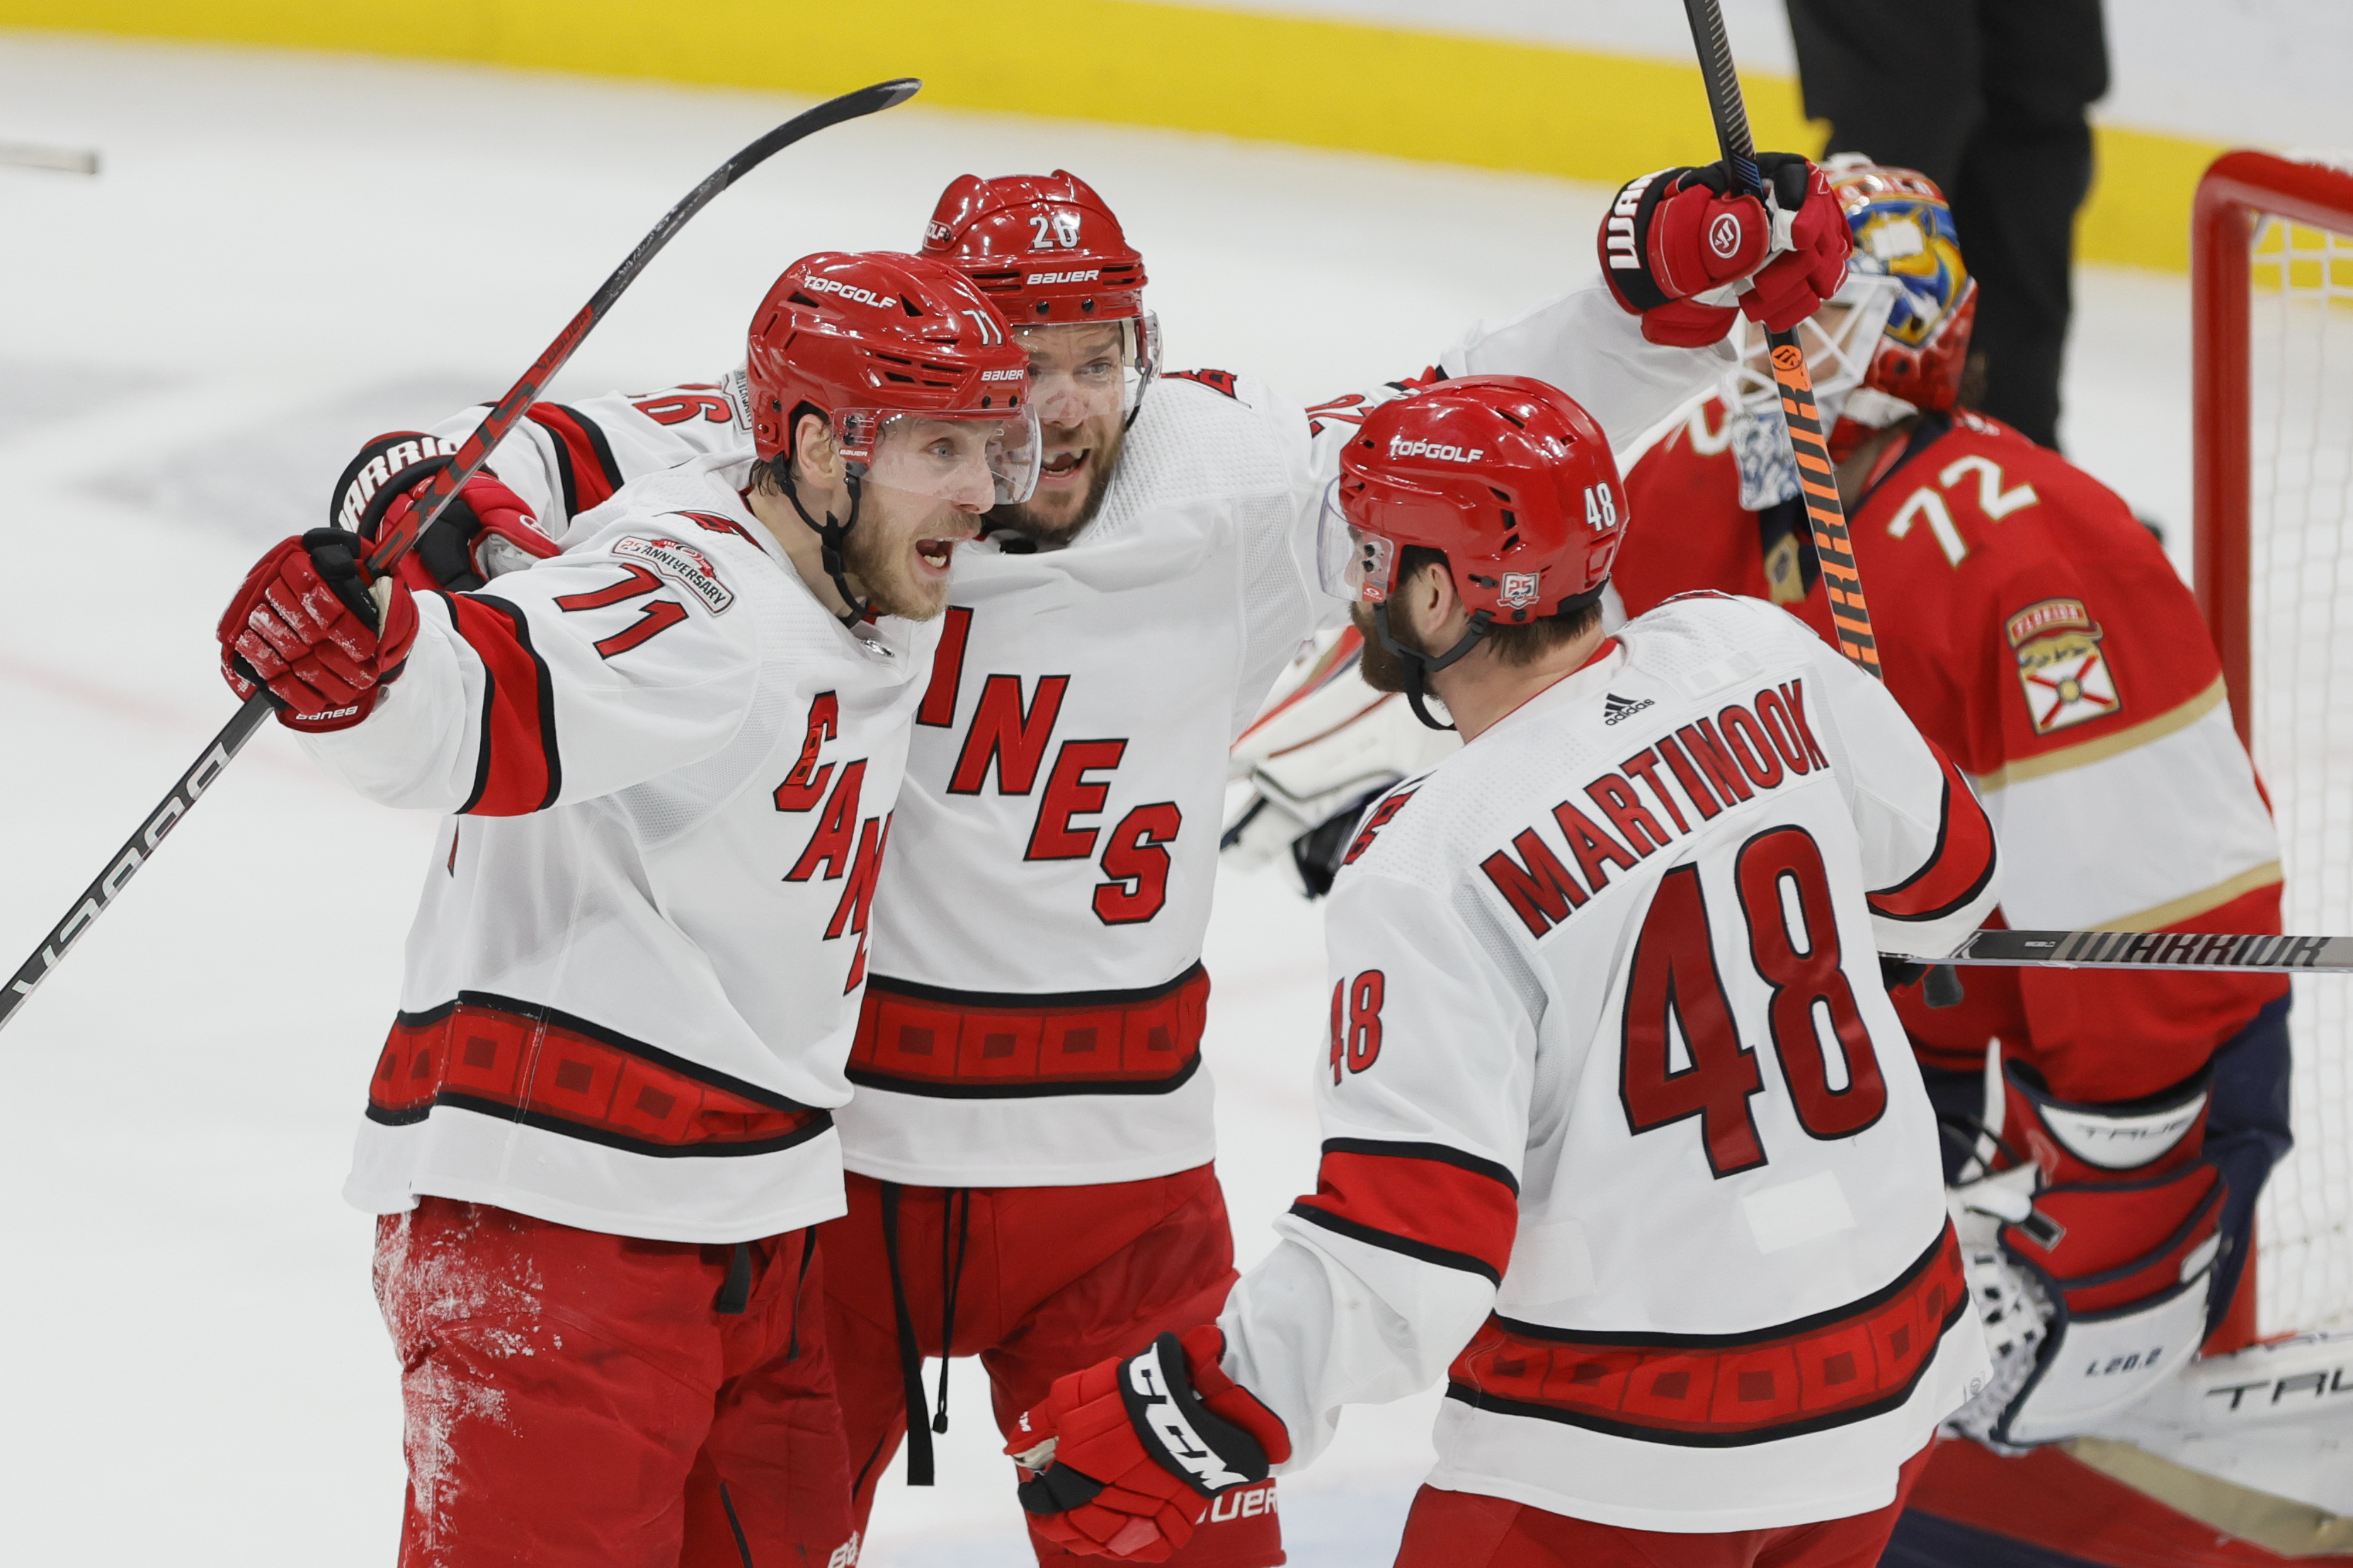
<point x="1897" y="79"/>
<point x="2023" y="176"/>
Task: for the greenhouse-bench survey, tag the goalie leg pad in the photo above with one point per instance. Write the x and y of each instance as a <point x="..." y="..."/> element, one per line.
<point x="2126" y="1280"/>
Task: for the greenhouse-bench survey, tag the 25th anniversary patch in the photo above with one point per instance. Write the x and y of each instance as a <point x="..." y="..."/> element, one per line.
<point x="681" y="564"/>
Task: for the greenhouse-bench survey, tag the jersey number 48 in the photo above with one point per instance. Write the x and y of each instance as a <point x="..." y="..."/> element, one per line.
<point x="1785" y="900"/>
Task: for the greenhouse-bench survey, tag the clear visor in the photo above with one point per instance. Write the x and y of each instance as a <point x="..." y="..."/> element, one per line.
<point x="1086" y="369"/>
<point x="973" y="460"/>
<point x="1351" y="563"/>
<point x="1840" y="339"/>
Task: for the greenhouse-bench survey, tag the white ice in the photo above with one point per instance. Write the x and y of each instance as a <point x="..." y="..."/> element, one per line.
<point x="286" y="254"/>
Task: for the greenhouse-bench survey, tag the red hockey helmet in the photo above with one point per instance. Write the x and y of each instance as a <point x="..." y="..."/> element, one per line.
<point x="1050" y="254"/>
<point x="1045" y="248"/>
<point x="871" y="338"/>
<point x="1507" y="476"/>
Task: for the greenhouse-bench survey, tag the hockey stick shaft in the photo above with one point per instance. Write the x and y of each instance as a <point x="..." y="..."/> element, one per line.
<point x="2213" y="953"/>
<point x="1809" y="442"/>
<point x="396" y="541"/>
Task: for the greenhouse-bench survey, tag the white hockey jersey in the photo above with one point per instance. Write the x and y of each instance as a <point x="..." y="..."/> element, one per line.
<point x="1036" y="1009"/>
<point x="635" y="972"/>
<point x="1620" y="1131"/>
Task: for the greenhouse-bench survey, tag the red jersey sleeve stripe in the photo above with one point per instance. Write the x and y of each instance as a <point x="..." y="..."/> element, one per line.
<point x="1956" y="869"/>
<point x="519" y="769"/>
<point x="1423" y="1200"/>
<point x="584" y="459"/>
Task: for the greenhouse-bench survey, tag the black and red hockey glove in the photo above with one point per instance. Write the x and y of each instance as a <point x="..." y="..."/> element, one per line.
<point x="486" y="529"/>
<point x="1676" y="245"/>
<point x="309" y="624"/>
<point x="1121" y="1459"/>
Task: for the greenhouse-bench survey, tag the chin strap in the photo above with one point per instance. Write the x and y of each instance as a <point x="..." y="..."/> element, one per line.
<point x="832" y="536"/>
<point x="1417" y="665"/>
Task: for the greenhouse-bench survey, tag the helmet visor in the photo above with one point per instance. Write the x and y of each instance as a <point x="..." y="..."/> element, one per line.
<point x="1350" y="563"/>
<point x="971" y="459"/>
<point x="1084" y="370"/>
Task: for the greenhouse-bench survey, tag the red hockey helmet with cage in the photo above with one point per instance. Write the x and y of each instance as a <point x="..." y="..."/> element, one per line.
<point x="877" y="332"/>
<point x="1507" y="476"/>
<point x="1045" y="248"/>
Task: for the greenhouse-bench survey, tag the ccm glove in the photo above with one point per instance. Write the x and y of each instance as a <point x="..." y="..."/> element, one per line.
<point x="1676" y="246"/>
<point x="1121" y="1458"/>
<point x="485" y="530"/>
<point x="310" y="626"/>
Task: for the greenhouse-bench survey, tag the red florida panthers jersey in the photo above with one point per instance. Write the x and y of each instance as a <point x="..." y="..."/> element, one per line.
<point x="1620" y="1131"/>
<point x="2035" y="631"/>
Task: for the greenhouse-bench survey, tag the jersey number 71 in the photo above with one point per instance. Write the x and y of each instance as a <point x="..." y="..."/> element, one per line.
<point x="1785" y="899"/>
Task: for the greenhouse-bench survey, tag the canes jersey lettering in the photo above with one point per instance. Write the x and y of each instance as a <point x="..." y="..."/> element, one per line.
<point x="1620" y="1121"/>
<point x="2044" y="642"/>
<point x="1035" y="1009"/>
<point x="637" y="966"/>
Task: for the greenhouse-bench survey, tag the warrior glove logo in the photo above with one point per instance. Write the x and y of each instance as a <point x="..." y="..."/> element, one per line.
<point x="1401" y="448"/>
<point x="1724" y="236"/>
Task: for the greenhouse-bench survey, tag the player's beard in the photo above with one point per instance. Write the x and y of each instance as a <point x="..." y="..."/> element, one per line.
<point x="876" y="556"/>
<point x="1108" y="438"/>
<point x="1382" y="670"/>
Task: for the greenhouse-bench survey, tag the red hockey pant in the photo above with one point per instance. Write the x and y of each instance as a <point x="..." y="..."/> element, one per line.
<point x="1051" y="1279"/>
<point x="1471" y="1530"/>
<point x="575" y="1400"/>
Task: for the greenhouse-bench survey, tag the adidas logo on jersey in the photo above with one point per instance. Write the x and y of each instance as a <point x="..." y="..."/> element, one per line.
<point x="1401" y="448"/>
<point x="1614" y="706"/>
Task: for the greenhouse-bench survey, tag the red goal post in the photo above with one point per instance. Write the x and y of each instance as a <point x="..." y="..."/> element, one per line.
<point x="2272" y="358"/>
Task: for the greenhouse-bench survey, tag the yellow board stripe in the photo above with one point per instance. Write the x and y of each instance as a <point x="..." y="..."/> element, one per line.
<point x="1435" y="97"/>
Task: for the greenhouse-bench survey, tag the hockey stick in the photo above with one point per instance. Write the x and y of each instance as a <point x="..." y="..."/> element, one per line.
<point x="396" y="541"/>
<point x="1809" y="442"/>
<point x="2213" y="953"/>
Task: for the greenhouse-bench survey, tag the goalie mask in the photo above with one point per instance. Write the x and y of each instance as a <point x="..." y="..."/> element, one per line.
<point x="1050" y="254"/>
<point x="1508" y="478"/>
<point x="914" y="373"/>
<point x="1891" y="343"/>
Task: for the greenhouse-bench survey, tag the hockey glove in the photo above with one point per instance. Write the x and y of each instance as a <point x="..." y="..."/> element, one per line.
<point x="485" y="531"/>
<point x="1677" y="245"/>
<point x="310" y="626"/>
<point x="1121" y="1458"/>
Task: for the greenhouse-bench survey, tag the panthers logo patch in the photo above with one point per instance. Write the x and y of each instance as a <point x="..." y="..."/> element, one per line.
<point x="2060" y="665"/>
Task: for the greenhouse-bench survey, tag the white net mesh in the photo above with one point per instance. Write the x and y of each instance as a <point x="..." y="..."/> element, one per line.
<point x="2301" y="588"/>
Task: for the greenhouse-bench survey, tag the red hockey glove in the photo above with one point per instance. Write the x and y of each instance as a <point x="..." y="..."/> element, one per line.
<point x="485" y="531"/>
<point x="1674" y="242"/>
<point x="309" y="624"/>
<point x="1119" y="1459"/>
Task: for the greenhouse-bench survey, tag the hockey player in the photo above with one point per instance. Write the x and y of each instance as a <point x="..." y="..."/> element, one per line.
<point x="2034" y="630"/>
<point x="1621" y="1130"/>
<point x="1032" y="1139"/>
<point x="600" y="1134"/>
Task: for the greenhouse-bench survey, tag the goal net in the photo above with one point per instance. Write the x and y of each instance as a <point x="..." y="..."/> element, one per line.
<point x="2272" y="277"/>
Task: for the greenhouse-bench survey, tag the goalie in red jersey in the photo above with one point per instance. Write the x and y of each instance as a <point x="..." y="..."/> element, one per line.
<point x="2035" y="631"/>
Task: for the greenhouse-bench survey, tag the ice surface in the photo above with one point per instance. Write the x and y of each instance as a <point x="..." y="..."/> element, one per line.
<point x="287" y="253"/>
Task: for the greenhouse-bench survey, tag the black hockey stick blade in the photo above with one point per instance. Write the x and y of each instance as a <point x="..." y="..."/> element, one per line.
<point x="393" y="544"/>
<point x="2212" y="952"/>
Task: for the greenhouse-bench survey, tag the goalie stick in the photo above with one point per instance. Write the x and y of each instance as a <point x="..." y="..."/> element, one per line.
<point x="1809" y="442"/>
<point x="394" y="542"/>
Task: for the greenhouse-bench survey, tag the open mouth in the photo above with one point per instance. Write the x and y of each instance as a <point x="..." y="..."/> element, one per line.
<point x="1062" y="467"/>
<point x="934" y="553"/>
